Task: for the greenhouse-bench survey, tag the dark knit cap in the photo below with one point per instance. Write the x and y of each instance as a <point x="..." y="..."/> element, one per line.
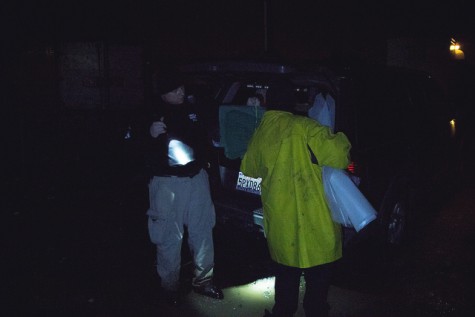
<point x="281" y="96"/>
<point x="167" y="77"/>
<point x="167" y="83"/>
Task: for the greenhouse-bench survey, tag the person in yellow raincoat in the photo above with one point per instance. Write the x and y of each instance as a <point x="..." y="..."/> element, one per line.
<point x="301" y="235"/>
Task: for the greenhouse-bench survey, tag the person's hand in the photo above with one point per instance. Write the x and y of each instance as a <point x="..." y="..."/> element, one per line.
<point x="157" y="128"/>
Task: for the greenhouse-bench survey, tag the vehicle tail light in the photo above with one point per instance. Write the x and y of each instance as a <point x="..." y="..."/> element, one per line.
<point x="353" y="173"/>
<point x="352" y="167"/>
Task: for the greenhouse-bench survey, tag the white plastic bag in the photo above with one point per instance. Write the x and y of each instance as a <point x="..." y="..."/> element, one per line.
<point x="347" y="204"/>
<point x="323" y="110"/>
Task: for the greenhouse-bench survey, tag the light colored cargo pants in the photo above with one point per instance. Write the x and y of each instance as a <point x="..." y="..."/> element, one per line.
<point x="176" y="202"/>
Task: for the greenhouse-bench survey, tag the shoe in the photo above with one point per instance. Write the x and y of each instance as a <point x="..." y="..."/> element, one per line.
<point x="209" y="290"/>
<point x="173" y="298"/>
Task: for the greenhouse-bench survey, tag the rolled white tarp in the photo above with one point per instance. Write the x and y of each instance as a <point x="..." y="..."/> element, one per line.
<point x="348" y="205"/>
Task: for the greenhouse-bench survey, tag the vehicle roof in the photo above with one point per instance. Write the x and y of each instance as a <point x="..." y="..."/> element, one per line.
<point x="240" y="66"/>
<point x="262" y="69"/>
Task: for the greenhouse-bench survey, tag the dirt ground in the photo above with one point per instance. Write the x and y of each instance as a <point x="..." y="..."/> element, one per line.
<point x="89" y="255"/>
<point x="80" y="247"/>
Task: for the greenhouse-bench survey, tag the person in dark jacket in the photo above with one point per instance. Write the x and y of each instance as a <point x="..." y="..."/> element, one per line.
<point x="179" y="191"/>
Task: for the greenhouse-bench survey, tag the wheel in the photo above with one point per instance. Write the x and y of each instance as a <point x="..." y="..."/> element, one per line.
<point x="396" y="218"/>
<point x="396" y="224"/>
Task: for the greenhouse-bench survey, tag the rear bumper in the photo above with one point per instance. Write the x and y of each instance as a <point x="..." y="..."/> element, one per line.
<point x="243" y="210"/>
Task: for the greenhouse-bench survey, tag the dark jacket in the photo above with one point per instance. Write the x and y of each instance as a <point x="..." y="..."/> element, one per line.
<point x="182" y="150"/>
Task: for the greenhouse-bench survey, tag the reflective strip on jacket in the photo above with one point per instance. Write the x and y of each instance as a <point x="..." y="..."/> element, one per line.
<point x="297" y="221"/>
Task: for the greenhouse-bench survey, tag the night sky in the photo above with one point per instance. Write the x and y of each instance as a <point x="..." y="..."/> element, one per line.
<point x="234" y="27"/>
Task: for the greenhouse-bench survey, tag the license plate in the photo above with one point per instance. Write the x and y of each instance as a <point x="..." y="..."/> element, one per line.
<point x="248" y="184"/>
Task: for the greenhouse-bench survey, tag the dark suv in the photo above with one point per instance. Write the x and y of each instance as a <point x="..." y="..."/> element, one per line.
<point x="396" y="119"/>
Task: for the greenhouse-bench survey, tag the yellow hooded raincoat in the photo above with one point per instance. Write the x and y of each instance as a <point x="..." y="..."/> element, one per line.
<point x="297" y="221"/>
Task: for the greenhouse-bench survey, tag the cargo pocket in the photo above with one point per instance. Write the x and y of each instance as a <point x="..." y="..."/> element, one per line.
<point x="157" y="225"/>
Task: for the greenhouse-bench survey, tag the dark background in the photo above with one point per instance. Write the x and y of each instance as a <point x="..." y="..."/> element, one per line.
<point x="414" y="34"/>
<point x="73" y="209"/>
<point x="235" y="27"/>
